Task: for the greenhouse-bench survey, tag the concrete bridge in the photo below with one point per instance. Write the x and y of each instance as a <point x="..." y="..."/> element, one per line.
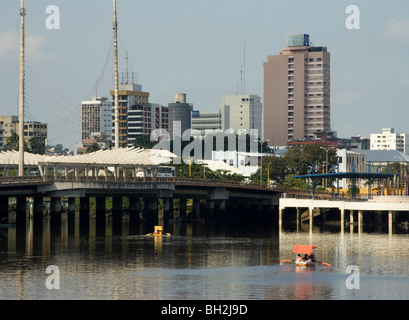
<point x="210" y="199"/>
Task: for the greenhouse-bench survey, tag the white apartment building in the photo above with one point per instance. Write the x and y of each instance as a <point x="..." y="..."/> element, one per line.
<point x="96" y="117"/>
<point x="242" y="113"/>
<point x="203" y="121"/>
<point x="389" y="140"/>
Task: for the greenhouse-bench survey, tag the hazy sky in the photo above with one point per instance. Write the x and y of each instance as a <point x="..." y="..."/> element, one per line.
<point x="197" y="47"/>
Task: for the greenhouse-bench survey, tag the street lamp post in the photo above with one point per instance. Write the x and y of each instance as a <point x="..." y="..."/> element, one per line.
<point x="326" y="165"/>
<point x="268" y="175"/>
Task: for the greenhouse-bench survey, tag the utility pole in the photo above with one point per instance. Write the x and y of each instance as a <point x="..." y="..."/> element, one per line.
<point x="21" y="118"/>
<point x="116" y="107"/>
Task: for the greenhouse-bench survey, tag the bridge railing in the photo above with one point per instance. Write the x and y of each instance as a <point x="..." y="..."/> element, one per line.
<point x="324" y="196"/>
<point x="21" y="180"/>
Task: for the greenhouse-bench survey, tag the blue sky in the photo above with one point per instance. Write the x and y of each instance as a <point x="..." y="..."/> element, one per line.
<point x="197" y="47"/>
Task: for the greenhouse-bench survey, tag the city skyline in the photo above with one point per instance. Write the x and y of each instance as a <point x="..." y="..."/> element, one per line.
<point x="197" y="47"/>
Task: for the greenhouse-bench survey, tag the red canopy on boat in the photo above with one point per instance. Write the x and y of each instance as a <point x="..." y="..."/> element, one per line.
<point x="303" y="248"/>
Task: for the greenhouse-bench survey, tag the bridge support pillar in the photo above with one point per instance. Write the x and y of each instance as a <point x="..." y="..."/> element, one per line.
<point x="4" y="209"/>
<point x="55" y="205"/>
<point x="151" y="208"/>
<point x="280" y="219"/>
<point x="84" y="215"/>
<point x="351" y="221"/>
<point x="182" y="209"/>
<point x="391" y="220"/>
<point x="360" y="220"/>
<point x="55" y="213"/>
<point x="378" y="217"/>
<point x="311" y="218"/>
<point x="71" y="215"/>
<point x="171" y="208"/>
<point x="100" y="214"/>
<point x="222" y="205"/>
<point x="210" y="206"/>
<point x="351" y="217"/>
<point x="196" y="209"/>
<point x="166" y="210"/>
<point x="342" y="213"/>
<point x="21" y="211"/>
<point x="38" y="211"/>
<point x="117" y="214"/>
<point x="298" y="218"/>
<point x="135" y="207"/>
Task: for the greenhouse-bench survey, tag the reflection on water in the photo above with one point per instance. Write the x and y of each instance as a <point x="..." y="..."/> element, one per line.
<point x="199" y="261"/>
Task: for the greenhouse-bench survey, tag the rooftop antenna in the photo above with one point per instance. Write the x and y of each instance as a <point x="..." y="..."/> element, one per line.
<point x="21" y="119"/>
<point x="126" y="59"/>
<point x="296" y="20"/>
<point x="244" y="66"/>
<point x="116" y="108"/>
<point x="241" y="80"/>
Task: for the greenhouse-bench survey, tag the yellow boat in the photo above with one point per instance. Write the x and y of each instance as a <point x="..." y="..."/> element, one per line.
<point x="158" y="232"/>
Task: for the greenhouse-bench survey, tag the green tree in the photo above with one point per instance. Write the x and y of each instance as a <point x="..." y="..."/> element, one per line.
<point x="144" y="141"/>
<point x="13" y="143"/>
<point x="93" y="147"/>
<point x="37" y="145"/>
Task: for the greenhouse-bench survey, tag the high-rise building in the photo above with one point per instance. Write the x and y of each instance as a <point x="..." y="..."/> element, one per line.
<point x="180" y="111"/>
<point x="242" y="113"/>
<point x="143" y="118"/>
<point x="296" y="91"/>
<point x="96" y="117"/>
<point x="96" y="124"/>
<point x="131" y="97"/>
<point x="389" y="140"/>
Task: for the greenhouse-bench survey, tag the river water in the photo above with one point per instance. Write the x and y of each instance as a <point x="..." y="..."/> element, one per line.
<point x="202" y="261"/>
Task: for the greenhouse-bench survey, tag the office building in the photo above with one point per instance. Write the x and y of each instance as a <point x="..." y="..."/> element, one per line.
<point x="389" y="140"/>
<point x="203" y="121"/>
<point x="242" y="113"/>
<point x="96" y="117"/>
<point x="180" y="111"/>
<point x="131" y="97"/>
<point x="144" y="118"/>
<point x="32" y="129"/>
<point x="296" y="91"/>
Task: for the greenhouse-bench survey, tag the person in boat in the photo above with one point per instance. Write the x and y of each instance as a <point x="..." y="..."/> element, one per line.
<point x="298" y="258"/>
<point x="305" y="257"/>
<point x="312" y="257"/>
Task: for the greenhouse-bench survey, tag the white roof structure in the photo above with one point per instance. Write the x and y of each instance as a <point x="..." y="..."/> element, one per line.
<point x="114" y="157"/>
<point x="215" y="165"/>
<point x="10" y="158"/>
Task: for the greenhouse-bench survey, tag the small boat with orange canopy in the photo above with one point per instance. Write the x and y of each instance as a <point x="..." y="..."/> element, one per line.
<point x="309" y="257"/>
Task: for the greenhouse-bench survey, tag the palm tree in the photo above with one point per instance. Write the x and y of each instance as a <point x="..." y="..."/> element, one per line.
<point x="13" y="143"/>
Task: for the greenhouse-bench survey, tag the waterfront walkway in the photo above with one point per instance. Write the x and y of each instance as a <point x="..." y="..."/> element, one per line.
<point x="307" y="209"/>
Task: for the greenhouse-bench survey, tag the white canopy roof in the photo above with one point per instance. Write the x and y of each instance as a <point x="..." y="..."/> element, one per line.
<point x="123" y="156"/>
